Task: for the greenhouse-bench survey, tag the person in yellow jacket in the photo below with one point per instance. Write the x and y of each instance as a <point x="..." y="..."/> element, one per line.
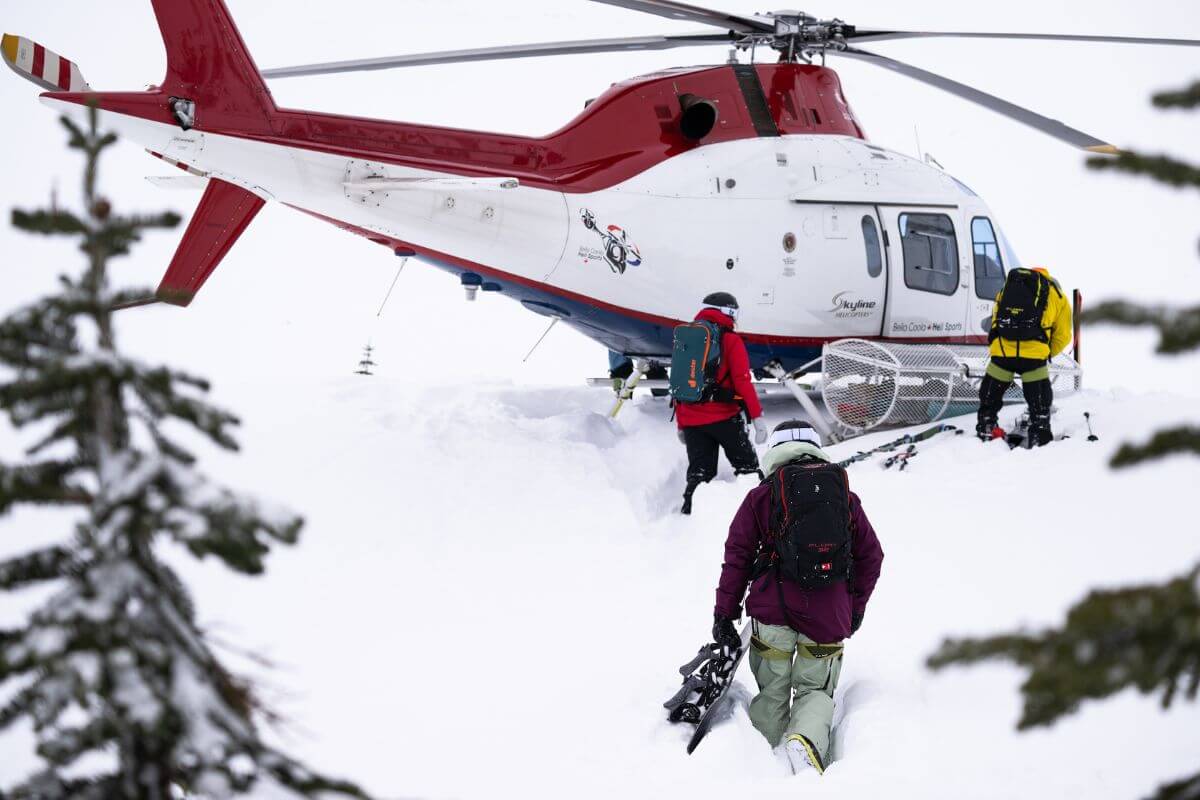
<point x="1031" y="323"/>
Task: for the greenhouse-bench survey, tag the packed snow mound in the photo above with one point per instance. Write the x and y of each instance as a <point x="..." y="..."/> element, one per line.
<point x="494" y="591"/>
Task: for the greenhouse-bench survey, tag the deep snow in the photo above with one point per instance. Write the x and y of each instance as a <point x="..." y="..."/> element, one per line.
<point x="494" y="592"/>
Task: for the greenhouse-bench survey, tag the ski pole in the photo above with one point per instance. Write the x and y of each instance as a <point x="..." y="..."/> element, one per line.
<point x="1091" y="436"/>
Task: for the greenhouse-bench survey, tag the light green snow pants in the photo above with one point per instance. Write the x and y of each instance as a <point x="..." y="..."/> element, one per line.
<point x="784" y="662"/>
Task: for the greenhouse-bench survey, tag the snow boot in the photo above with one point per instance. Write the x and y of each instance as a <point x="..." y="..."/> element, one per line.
<point x="1039" y="396"/>
<point x="988" y="430"/>
<point x="801" y="755"/>
<point x="658" y="372"/>
<point x="687" y="498"/>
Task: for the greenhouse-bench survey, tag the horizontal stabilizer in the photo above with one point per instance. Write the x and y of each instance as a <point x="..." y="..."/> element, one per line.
<point x="179" y="182"/>
<point x="224" y="212"/>
<point x="383" y="184"/>
<point x="44" y="67"/>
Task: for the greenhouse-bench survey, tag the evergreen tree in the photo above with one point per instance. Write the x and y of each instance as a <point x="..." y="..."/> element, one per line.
<point x="1146" y="637"/>
<point x="113" y="664"/>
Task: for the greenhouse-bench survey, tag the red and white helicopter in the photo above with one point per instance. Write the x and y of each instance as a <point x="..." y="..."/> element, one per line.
<point x="750" y="178"/>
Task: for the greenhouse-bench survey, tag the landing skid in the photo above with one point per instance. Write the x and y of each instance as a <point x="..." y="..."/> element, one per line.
<point x="764" y="388"/>
<point x="864" y="385"/>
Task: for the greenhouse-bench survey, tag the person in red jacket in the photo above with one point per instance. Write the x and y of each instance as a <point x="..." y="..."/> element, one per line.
<point x="709" y="426"/>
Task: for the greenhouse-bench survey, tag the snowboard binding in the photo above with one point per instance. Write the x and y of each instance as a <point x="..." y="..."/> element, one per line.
<point x="705" y="689"/>
<point x="705" y="679"/>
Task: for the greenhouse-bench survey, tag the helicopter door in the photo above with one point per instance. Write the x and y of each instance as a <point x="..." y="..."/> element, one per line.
<point x="928" y="282"/>
<point x="843" y="261"/>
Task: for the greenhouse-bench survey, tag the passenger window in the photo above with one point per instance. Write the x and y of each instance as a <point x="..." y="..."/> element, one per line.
<point x="989" y="266"/>
<point x="930" y="253"/>
<point x="871" y="241"/>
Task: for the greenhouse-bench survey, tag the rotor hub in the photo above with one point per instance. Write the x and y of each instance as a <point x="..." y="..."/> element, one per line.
<point x="798" y="34"/>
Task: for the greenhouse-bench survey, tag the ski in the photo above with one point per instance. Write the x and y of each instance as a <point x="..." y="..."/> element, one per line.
<point x="706" y="682"/>
<point x="907" y="439"/>
<point x="901" y="458"/>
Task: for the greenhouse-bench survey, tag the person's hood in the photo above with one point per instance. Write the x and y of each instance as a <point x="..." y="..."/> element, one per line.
<point x="715" y="317"/>
<point x="781" y="454"/>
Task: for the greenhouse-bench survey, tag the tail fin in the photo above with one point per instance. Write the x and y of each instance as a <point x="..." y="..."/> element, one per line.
<point x="224" y="212"/>
<point x="208" y="63"/>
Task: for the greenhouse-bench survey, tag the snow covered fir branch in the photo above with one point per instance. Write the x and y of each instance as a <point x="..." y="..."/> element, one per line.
<point x="113" y="669"/>
<point x="1145" y="637"/>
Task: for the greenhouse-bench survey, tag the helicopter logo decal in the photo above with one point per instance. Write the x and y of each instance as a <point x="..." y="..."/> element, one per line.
<point x="616" y="249"/>
<point x="843" y="307"/>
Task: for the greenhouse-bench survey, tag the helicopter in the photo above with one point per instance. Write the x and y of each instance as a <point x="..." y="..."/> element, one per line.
<point x="755" y="178"/>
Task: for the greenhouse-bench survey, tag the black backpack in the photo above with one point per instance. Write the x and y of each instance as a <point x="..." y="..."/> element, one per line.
<point x="810" y="536"/>
<point x="1020" y="307"/>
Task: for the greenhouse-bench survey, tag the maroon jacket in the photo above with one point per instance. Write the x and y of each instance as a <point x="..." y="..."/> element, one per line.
<point x="732" y="373"/>
<point x="822" y="615"/>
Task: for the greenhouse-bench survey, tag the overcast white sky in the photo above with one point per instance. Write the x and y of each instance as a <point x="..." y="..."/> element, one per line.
<point x="297" y="298"/>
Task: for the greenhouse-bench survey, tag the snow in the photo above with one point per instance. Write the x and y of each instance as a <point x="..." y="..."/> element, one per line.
<point x="493" y="592"/>
<point x="493" y="577"/>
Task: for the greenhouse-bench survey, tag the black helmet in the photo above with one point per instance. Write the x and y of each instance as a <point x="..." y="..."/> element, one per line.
<point x="721" y="300"/>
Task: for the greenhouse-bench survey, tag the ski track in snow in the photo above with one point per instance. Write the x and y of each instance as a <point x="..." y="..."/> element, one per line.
<point x="494" y="590"/>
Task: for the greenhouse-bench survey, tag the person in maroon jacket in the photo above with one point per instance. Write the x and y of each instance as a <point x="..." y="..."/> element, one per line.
<point x="709" y="426"/>
<point x="796" y="647"/>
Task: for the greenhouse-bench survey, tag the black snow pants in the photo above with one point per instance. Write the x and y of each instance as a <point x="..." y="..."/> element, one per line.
<point x="704" y="443"/>
<point x="1035" y="384"/>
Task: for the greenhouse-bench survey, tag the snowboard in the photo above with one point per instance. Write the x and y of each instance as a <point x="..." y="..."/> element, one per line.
<point x="706" y="682"/>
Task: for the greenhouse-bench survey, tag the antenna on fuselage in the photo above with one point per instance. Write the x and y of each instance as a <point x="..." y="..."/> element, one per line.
<point x="541" y="338"/>
<point x="403" y="261"/>
<point x="364" y="366"/>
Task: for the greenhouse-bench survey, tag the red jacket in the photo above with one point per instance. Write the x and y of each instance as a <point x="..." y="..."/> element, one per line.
<point x="732" y="373"/>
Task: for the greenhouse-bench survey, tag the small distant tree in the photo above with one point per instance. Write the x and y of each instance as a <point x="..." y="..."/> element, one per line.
<point x="113" y="663"/>
<point x="1146" y="637"/>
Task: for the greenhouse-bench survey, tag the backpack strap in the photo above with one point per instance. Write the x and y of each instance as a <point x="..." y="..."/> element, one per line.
<point x="719" y="393"/>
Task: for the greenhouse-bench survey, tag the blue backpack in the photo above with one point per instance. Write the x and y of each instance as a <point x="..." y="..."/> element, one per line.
<point x="695" y="357"/>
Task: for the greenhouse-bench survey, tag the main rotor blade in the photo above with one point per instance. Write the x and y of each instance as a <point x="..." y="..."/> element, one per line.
<point x="862" y="35"/>
<point x="673" y="10"/>
<point x="501" y="53"/>
<point x="1050" y="127"/>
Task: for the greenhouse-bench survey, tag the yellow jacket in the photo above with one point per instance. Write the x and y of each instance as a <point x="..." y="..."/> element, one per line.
<point x="1056" y="321"/>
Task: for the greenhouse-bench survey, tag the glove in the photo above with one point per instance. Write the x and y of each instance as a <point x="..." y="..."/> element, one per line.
<point x="724" y="633"/>
<point x="682" y="438"/>
<point x="856" y="621"/>
<point x="760" y="431"/>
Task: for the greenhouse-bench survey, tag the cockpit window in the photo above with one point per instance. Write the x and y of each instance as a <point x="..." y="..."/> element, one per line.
<point x="989" y="266"/>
